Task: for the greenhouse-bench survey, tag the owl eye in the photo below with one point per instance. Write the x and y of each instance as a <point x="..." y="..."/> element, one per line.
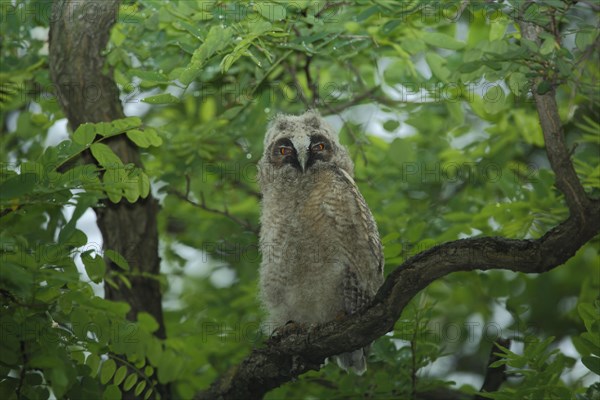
<point x="318" y="147"/>
<point x="285" y="151"/>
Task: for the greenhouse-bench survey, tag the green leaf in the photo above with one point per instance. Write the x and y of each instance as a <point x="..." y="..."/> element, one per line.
<point x="140" y="388"/>
<point x="108" y="370"/>
<point x="129" y="382"/>
<point x="144" y="185"/>
<point x="497" y="364"/>
<point x="592" y="363"/>
<point x="154" y="351"/>
<point x="116" y="179"/>
<point x="152" y="76"/>
<point x="217" y="39"/>
<point x="588" y="314"/>
<point x="146" y="138"/>
<point x="437" y="64"/>
<point x="131" y="187"/>
<point x="120" y="375"/>
<point x="494" y="100"/>
<point x="78" y="356"/>
<point x="270" y="11"/>
<point x="391" y="125"/>
<point x="94" y="266"/>
<point x="544" y="87"/>
<point x="548" y="46"/>
<point x="498" y="28"/>
<point x="107" y="129"/>
<point x="593" y="340"/>
<point x="585" y="38"/>
<point x="190" y="73"/>
<point x="105" y="156"/>
<point x="18" y="186"/>
<point x="584" y="347"/>
<point x="147" y="322"/>
<point x="148" y="394"/>
<point x="85" y="134"/>
<point x="518" y="83"/>
<point x="530" y="45"/>
<point x="170" y="366"/>
<point x="112" y="392"/>
<point x="152" y="134"/>
<point x="93" y="361"/>
<point x="117" y="258"/>
<point x="148" y="371"/>
<point x="163" y="98"/>
<point x="139" y="138"/>
<point x="125" y="280"/>
<point x="441" y="40"/>
<point x="83" y="204"/>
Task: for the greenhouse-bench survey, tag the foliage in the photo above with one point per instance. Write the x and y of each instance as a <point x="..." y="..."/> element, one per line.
<point x="433" y="101"/>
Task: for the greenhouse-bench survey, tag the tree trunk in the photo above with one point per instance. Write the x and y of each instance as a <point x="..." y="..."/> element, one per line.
<point x="79" y="32"/>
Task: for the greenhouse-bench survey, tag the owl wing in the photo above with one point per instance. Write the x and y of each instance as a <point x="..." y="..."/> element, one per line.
<point x="362" y="254"/>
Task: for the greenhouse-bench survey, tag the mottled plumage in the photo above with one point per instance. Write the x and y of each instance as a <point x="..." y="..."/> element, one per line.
<point x="321" y="253"/>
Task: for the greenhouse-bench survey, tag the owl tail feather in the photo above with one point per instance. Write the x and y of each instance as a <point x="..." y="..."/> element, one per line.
<point x="355" y="361"/>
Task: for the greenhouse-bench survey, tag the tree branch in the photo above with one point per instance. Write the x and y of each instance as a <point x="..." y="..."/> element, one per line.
<point x="284" y="358"/>
<point x="371" y="94"/>
<point x="494" y="376"/>
<point x="225" y="212"/>
<point x="554" y="137"/>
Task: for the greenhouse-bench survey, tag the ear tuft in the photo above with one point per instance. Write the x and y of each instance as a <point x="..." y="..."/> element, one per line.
<point x="282" y="125"/>
<point x="312" y="119"/>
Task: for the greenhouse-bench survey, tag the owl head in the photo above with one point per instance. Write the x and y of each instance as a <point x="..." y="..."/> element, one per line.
<point x="300" y="145"/>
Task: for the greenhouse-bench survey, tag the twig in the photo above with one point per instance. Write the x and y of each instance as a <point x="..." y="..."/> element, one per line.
<point x="291" y="68"/>
<point x="442" y="394"/>
<point x="8" y="210"/>
<point x="23" y="369"/>
<point x="187" y="185"/>
<point x="325" y="383"/>
<point x="328" y="6"/>
<point x="202" y="205"/>
<point x="12" y="298"/>
<point x="312" y="84"/>
<point x="246" y="188"/>
<point x="352" y="134"/>
<point x="591" y="4"/>
<point x="369" y="94"/>
<point x="413" y="372"/>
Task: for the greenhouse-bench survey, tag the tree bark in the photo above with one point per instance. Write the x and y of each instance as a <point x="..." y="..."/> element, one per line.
<point x="79" y="33"/>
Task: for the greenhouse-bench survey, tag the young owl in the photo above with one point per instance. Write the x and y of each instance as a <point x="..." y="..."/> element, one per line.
<point x="321" y="253"/>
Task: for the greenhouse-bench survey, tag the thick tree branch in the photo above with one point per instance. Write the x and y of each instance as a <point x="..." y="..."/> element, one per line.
<point x="286" y="357"/>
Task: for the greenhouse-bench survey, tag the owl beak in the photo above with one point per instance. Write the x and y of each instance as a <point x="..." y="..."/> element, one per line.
<point x="302" y="159"/>
<point x="301" y="144"/>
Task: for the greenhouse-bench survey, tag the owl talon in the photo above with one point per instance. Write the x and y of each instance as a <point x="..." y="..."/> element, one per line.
<point x="290" y="328"/>
<point x="342" y="315"/>
<point x="293" y="328"/>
